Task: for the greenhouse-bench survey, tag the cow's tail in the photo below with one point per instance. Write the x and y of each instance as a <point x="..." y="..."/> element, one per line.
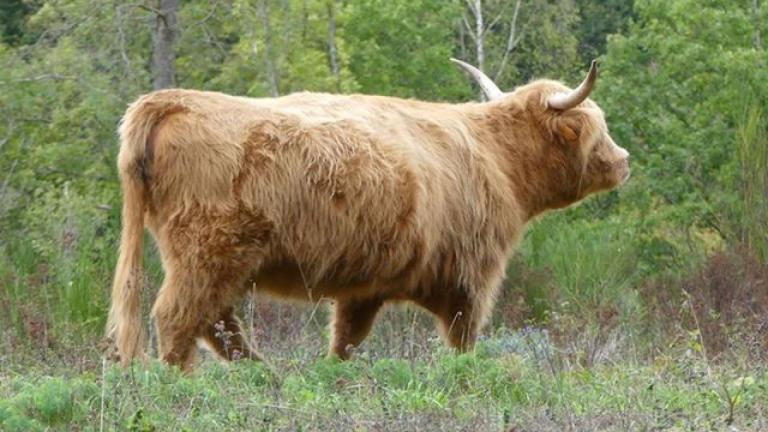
<point x="124" y="325"/>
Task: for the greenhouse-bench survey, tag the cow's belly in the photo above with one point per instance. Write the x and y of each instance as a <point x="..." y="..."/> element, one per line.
<point x="289" y="281"/>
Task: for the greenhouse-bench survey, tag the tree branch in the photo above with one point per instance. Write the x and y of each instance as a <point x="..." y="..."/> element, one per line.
<point x="512" y="41"/>
<point x="333" y="53"/>
<point x="56" y="33"/>
<point x="470" y="32"/>
<point x="48" y="76"/>
<point x="121" y="39"/>
<point x="210" y="14"/>
<point x="8" y="178"/>
<point x="149" y="8"/>
<point x="272" y="76"/>
<point x="498" y="17"/>
<point x="9" y="133"/>
<point x="471" y="7"/>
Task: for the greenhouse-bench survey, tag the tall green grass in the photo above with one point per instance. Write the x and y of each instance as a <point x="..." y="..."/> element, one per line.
<point x="57" y="266"/>
<point x="591" y="264"/>
<point x="752" y="152"/>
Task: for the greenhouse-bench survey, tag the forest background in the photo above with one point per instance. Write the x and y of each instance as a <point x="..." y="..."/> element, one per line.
<point x="667" y="277"/>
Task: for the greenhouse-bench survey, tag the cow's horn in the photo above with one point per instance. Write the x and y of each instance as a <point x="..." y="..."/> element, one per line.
<point x="490" y="90"/>
<point x="566" y="101"/>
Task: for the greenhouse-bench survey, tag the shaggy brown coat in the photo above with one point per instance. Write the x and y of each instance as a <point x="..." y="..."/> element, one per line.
<point x="360" y="199"/>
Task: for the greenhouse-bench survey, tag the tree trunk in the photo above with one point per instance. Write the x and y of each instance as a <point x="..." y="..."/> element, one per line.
<point x="463" y="50"/>
<point x="512" y="41"/>
<point x="479" y="33"/>
<point x="273" y="80"/>
<point x="477" y="9"/>
<point x="333" y="53"/>
<point x="163" y="44"/>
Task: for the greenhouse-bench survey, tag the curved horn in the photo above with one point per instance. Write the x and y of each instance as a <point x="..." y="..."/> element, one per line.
<point x="490" y="90"/>
<point x="566" y="101"/>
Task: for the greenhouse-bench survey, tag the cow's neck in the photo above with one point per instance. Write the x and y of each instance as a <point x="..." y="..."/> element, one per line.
<point x="509" y="132"/>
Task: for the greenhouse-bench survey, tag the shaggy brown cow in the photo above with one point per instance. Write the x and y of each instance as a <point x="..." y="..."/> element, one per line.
<point x="360" y="199"/>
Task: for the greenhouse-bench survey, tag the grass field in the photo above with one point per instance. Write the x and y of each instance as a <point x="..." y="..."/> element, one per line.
<point x="401" y="379"/>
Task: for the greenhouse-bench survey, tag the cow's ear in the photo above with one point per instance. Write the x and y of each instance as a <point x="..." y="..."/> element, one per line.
<point x="568" y="133"/>
<point x="568" y="128"/>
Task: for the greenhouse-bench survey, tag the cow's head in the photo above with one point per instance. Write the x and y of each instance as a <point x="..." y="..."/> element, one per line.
<point x="568" y="135"/>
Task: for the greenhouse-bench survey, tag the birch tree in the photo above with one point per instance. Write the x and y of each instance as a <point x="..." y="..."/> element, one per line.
<point x="333" y="53"/>
<point x="477" y="25"/>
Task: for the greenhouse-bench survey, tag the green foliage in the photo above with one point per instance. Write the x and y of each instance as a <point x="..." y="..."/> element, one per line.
<point x="295" y="48"/>
<point x="12" y="16"/>
<point x="403" y="51"/>
<point x="549" y="45"/>
<point x="673" y="89"/>
<point x="63" y="261"/>
<point x="597" y="21"/>
<point x="594" y="263"/>
<point x="752" y="153"/>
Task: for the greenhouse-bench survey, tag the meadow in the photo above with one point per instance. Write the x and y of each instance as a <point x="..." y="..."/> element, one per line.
<point x="645" y="308"/>
<point x="403" y="378"/>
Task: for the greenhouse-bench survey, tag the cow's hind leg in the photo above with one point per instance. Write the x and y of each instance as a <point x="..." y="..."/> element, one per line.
<point x="226" y="337"/>
<point x="352" y="321"/>
<point x="208" y="253"/>
<point x="177" y="321"/>
<point x="188" y="306"/>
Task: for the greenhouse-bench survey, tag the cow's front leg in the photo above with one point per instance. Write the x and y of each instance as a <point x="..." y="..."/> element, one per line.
<point x="459" y="316"/>
<point x="352" y="321"/>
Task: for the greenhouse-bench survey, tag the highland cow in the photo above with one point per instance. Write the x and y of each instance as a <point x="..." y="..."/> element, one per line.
<point x="363" y="200"/>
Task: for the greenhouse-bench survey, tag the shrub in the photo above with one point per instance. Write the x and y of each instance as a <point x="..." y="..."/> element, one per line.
<point x="723" y="302"/>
